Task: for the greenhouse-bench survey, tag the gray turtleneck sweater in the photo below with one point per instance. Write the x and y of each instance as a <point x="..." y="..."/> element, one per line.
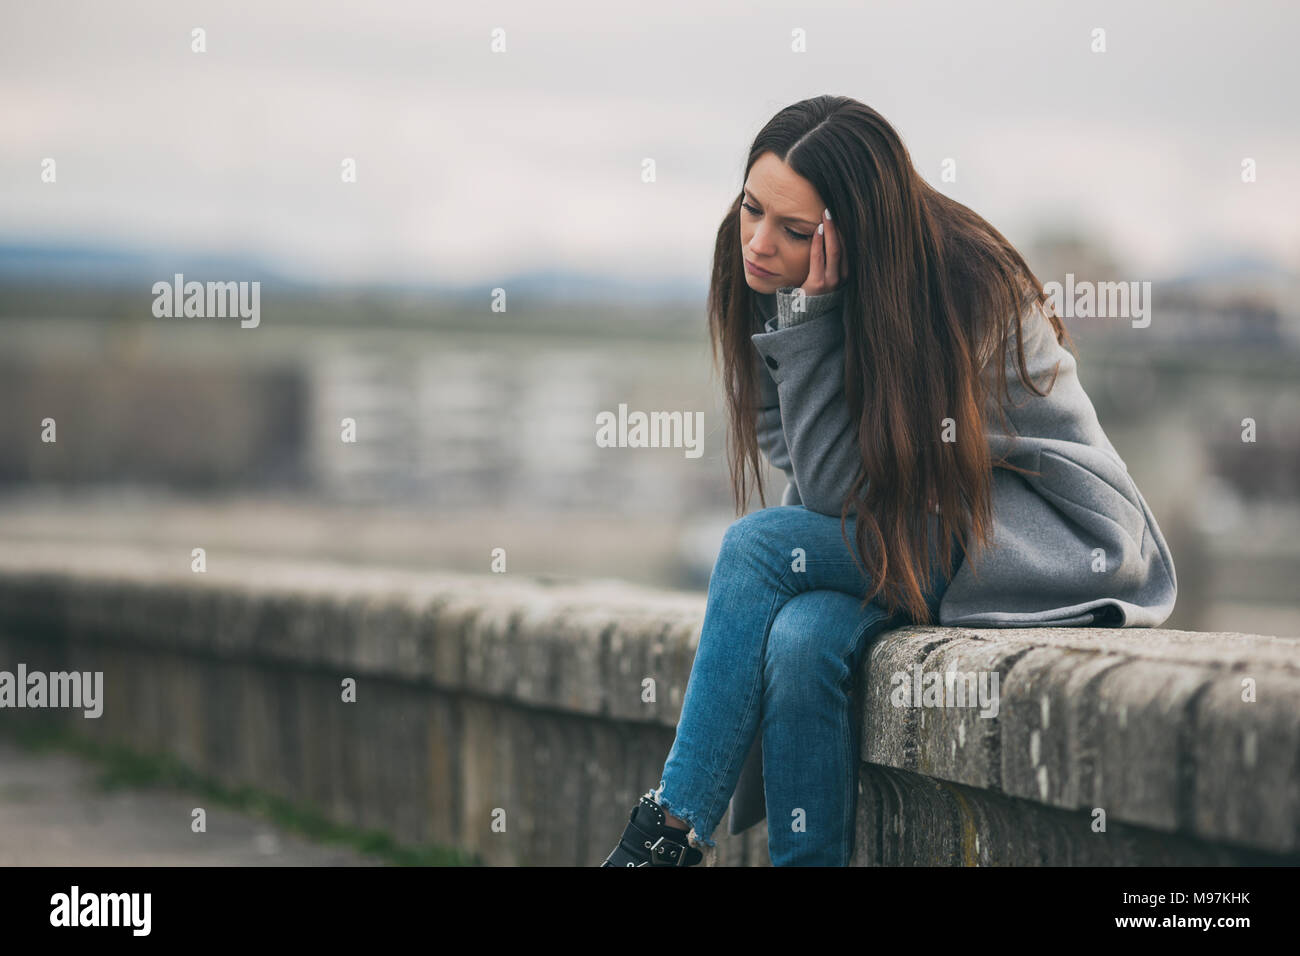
<point x="779" y="310"/>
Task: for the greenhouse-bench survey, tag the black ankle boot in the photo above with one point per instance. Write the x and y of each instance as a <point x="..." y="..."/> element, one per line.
<point x="648" y="841"/>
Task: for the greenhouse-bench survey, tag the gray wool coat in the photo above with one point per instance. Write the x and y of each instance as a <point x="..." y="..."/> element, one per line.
<point x="1043" y="567"/>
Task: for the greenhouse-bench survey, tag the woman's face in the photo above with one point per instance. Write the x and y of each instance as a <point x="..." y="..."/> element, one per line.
<point x="779" y="216"/>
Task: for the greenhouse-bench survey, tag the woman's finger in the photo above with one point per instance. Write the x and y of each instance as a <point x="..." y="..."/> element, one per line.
<point x="817" y="262"/>
<point x="832" y="248"/>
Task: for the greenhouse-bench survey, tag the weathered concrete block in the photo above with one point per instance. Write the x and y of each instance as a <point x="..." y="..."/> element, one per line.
<point x="1244" y="760"/>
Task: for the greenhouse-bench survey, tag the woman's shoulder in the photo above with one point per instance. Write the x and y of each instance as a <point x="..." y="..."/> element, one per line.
<point x="1030" y="328"/>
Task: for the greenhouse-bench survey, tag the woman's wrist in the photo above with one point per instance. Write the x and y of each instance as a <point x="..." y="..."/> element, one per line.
<point x="791" y="311"/>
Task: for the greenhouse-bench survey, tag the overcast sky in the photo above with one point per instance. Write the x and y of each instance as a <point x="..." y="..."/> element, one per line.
<point x="473" y="165"/>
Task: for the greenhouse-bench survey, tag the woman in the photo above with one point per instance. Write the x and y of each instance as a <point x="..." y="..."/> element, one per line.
<point x="859" y="312"/>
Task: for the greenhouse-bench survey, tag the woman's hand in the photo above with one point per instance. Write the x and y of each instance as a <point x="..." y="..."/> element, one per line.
<point x="826" y="266"/>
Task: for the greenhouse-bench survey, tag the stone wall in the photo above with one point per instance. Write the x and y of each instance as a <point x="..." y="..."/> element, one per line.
<point x="482" y="699"/>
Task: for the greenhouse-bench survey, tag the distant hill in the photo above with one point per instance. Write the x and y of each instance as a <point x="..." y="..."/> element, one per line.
<point x="73" y="264"/>
<point x="88" y="264"/>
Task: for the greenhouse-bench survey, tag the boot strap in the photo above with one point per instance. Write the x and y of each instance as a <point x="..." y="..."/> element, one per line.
<point x="663" y="850"/>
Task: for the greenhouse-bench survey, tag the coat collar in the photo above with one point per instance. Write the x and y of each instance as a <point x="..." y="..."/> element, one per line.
<point x="765" y="304"/>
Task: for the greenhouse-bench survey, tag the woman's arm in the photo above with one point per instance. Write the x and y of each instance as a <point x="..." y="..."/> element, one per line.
<point x="771" y="430"/>
<point x="803" y="420"/>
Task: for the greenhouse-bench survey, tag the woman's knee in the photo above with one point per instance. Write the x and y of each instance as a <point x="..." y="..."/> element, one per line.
<point x="814" y="631"/>
<point x="758" y="535"/>
<point x="757" y="524"/>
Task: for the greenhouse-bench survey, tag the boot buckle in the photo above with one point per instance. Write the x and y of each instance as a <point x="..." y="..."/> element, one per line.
<point x="674" y="851"/>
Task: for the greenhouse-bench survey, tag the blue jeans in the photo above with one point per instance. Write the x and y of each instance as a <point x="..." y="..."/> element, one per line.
<point x="779" y="649"/>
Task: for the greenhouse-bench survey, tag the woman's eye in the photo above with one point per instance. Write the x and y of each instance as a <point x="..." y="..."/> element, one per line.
<point x="793" y="235"/>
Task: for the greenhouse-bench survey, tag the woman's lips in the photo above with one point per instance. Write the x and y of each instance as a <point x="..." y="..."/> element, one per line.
<point x="755" y="270"/>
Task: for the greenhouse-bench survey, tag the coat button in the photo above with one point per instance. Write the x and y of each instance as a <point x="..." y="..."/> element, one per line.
<point x="771" y="362"/>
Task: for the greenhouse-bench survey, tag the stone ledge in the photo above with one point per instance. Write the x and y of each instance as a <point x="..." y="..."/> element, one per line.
<point x="1147" y="725"/>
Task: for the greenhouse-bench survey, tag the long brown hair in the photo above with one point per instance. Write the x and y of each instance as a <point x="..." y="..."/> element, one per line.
<point x="936" y="287"/>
